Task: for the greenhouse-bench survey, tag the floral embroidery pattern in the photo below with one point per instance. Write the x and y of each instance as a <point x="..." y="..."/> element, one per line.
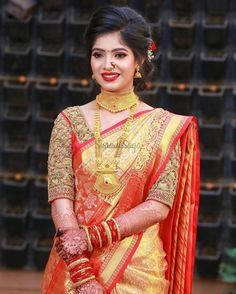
<point x="60" y="171"/>
<point x="164" y="188"/>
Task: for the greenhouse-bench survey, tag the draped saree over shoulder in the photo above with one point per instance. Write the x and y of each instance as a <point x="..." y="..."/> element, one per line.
<point x="160" y="259"/>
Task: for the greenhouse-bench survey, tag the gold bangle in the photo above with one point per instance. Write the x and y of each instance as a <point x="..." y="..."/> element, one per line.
<point x="90" y="246"/>
<point x="118" y="229"/>
<point x="78" y="261"/>
<point x="107" y="229"/>
<point x="79" y="283"/>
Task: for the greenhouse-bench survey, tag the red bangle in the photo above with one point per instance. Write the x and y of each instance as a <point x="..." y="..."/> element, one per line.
<point x="103" y="234"/>
<point x="113" y="229"/>
<point x="75" y="258"/>
<point x="95" y="236"/>
<point x="79" y="267"/>
<point x="84" y="275"/>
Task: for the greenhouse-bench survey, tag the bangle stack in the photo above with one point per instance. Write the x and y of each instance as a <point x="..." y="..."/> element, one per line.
<point x="103" y="234"/>
<point x="80" y="270"/>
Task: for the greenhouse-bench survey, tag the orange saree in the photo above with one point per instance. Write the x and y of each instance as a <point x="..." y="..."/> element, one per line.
<point x="160" y="259"/>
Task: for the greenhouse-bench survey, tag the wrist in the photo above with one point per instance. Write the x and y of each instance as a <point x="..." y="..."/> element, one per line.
<point x="102" y="235"/>
<point x="80" y="270"/>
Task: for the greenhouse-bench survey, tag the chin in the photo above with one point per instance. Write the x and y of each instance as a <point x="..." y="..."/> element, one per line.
<point x="114" y="88"/>
<point x="111" y="88"/>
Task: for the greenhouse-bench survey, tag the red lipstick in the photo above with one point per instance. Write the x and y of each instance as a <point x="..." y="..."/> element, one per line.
<point x="109" y="77"/>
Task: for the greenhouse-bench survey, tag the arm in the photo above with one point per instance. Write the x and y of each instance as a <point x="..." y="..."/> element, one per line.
<point x="63" y="214"/>
<point x="141" y="217"/>
<point x="158" y="202"/>
<point x="61" y="195"/>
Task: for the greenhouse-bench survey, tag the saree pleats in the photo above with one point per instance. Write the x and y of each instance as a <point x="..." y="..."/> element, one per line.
<point x="159" y="260"/>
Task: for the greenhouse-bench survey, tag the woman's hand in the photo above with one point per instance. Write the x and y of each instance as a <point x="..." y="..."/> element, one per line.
<point x="91" y="287"/>
<point x="72" y="242"/>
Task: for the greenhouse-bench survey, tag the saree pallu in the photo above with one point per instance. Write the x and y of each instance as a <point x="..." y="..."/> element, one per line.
<point x="139" y="263"/>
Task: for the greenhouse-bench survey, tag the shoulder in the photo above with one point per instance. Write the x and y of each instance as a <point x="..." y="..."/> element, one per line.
<point x="70" y="112"/>
<point x="172" y="115"/>
<point x="66" y="118"/>
<point x="77" y="111"/>
<point x="70" y="115"/>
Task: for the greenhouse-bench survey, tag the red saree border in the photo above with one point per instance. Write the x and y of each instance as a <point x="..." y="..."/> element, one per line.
<point x="181" y="281"/>
<point x="126" y="263"/>
<point x="194" y="207"/>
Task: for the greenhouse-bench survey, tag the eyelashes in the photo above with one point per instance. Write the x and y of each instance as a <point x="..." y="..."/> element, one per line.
<point x="117" y="55"/>
<point x="97" y="55"/>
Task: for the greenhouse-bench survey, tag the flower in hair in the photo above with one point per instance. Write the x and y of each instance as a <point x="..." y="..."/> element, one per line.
<point x="150" y="51"/>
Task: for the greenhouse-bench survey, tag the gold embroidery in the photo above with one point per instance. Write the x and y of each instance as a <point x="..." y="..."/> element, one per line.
<point x="146" y="271"/>
<point x="164" y="188"/>
<point x="60" y="171"/>
<point x="152" y="139"/>
<point x="80" y="128"/>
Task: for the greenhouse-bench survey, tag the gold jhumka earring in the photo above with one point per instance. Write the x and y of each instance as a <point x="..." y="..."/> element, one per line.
<point x="137" y="74"/>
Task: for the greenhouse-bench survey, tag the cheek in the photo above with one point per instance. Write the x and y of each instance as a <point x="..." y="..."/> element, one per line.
<point x="94" y="65"/>
<point x="129" y="67"/>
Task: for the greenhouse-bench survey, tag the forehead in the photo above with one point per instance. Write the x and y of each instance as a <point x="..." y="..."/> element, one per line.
<point x="110" y="41"/>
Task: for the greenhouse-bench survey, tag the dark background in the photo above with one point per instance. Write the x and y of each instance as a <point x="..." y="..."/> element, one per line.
<point x="43" y="70"/>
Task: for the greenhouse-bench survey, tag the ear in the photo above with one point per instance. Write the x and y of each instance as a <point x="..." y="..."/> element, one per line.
<point x="142" y="61"/>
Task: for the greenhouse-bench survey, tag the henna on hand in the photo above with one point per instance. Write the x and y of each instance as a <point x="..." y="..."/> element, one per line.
<point x="141" y="217"/>
<point x="71" y="243"/>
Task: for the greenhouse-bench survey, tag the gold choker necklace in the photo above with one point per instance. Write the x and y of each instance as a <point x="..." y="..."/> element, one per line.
<point x="116" y="102"/>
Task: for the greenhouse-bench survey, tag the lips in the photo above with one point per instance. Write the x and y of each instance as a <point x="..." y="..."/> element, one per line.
<point x="110" y="77"/>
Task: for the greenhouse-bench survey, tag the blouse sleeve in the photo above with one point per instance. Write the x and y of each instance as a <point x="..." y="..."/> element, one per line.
<point x="60" y="170"/>
<point x="164" y="188"/>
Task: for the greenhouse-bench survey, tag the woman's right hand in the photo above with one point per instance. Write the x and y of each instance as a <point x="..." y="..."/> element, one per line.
<point x="92" y="286"/>
<point x="70" y="243"/>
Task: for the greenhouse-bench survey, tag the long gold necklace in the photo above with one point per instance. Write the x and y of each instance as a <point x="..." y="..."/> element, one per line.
<point x="107" y="181"/>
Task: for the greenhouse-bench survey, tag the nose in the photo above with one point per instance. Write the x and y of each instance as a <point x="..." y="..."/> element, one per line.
<point x="108" y="64"/>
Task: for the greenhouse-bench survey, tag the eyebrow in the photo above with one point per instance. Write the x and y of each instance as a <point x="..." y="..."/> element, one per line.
<point x="113" y="50"/>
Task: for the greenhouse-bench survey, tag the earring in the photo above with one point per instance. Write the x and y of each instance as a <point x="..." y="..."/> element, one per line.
<point x="137" y="74"/>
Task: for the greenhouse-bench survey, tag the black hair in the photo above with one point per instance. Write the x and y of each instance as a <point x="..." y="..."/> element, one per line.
<point x="135" y="32"/>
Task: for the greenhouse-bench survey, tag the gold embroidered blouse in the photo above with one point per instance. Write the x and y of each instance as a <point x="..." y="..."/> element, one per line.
<point x="164" y="188"/>
<point x="60" y="170"/>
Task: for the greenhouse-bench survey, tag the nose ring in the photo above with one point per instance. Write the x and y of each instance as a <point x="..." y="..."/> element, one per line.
<point x="113" y="64"/>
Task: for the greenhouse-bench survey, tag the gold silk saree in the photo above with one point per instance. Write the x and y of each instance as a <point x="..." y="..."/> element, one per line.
<point x="160" y="259"/>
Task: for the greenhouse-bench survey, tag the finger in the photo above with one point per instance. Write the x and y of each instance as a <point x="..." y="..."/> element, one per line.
<point x="59" y="232"/>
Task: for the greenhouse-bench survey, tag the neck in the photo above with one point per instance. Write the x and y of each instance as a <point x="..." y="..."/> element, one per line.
<point x="116" y="102"/>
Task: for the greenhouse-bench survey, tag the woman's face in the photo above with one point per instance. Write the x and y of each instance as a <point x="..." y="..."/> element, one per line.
<point x="113" y="63"/>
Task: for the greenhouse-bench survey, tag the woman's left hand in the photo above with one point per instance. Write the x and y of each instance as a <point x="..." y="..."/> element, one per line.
<point x="72" y="242"/>
<point x="93" y="287"/>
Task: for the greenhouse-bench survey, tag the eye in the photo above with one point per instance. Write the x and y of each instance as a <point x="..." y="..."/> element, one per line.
<point x="120" y="55"/>
<point x="97" y="55"/>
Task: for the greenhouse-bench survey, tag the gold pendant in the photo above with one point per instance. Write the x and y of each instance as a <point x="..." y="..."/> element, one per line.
<point x="107" y="181"/>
